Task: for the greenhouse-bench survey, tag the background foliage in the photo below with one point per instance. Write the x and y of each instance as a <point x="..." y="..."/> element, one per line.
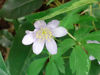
<point x="79" y="17"/>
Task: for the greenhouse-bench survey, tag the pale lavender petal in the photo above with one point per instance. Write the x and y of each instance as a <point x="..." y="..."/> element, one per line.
<point x="51" y="46"/>
<point x="99" y="62"/>
<point x="93" y="41"/>
<point x="38" y="46"/>
<point x="29" y="32"/>
<point x="39" y="24"/>
<point x="59" y="32"/>
<point x="53" y="24"/>
<point x="28" y="39"/>
<point x="91" y="57"/>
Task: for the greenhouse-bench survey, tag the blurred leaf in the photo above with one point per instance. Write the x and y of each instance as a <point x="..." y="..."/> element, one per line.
<point x="7" y="34"/>
<point x="20" y="55"/>
<point x="96" y="14"/>
<point x="36" y="66"/>
<point x="3" y="68"/>
<point x="39" y="15"/>
<point x="5" y="38"/>
<point x="73" y="6"/>
<point x="19" y="8"/>
<point x="94" y="50"/>
<point x="49" y="2"/>
<point x="51" y="69"/>
<point x="79" y="61"/>
<point x="96" y="11"/>
<point x="16" y="24"/>
<point x="97" y="23"/>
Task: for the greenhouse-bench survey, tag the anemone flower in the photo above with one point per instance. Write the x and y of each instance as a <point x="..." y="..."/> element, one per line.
<point x="44" y="34"/>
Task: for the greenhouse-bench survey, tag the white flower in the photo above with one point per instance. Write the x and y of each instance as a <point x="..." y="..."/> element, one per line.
<point x="43" y="35"/>
<point x="94" y="41"/>
<point x="93" y="58"/>
<point x="99" y="62"/>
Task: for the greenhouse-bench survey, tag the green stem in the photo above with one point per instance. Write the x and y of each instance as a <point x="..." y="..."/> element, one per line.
<point x="79" y="43"/>
<point x="49" y="55"/>
<point x="57" y="2"/>
<point x="92" y="15"/>
<point x="66" y="57"/>
<point x="72" y="36"/>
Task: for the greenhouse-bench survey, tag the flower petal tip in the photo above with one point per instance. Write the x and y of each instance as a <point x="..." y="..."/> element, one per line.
<point x="91" y="57"/>
<point x="60" y="32"/>
<point x="39" y="24"/>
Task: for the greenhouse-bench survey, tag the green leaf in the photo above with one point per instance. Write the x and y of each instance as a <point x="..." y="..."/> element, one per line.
<point x="62" y="48"/>
<point x="69" y="20"/>
<point x="49" y="2"/>
<point x="5" y="38"/>
<point x="36" y="66"/>
<point x="58" y="60"/>
<point x="86" y="19"/>
<point x="92" y="36"/>
<point x="3" y="68"/>
<point x="73" y="6"/>
<point x="20" y="55"/>
<point x="19" y="8"/>
<point x="95" y="68"/>
<point x="60" y="64"/>
<point x="83" y="31"/>
<point x="94" y="50"/>
<point x="68" y="70"/>
<point x="39" y="15"/>
<point x="96" y="11"/>
<point x="79" y="61"/>
<point x="51" y="69"/>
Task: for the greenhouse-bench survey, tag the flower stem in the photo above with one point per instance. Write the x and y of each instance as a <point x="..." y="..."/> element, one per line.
<point x="66" y="57"/>
<point x="72" y="36"/>
<point x="79" y="43"/>
<point x="57" y="2"/>
<point x="92" y="15"/>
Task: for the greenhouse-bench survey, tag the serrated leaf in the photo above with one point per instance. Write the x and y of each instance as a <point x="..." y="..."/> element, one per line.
<point x="62" y="48"/>
<point x="58" y="60"/>
<point x="79" y="62"/>
<point x="19" y="8"/>
<point x="94" y="50"/>
<point x="60" y="64"/>
<point x="51" y="69"/>
<point x="36" y="66"/>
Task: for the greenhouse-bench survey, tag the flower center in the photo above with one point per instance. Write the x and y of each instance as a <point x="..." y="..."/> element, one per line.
<point x="44" y="34"/>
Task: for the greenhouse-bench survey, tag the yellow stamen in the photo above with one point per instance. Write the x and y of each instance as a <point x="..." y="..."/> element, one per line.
<point x="44" y="34"/>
